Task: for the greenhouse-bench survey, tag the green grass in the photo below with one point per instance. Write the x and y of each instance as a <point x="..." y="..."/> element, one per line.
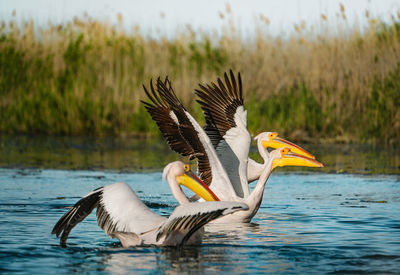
<point x="85" y="78"/>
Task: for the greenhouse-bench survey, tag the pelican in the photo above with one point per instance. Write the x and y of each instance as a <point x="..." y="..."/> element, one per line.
<point x="226" y="127"/>
<point x="122" y="215"/>
<point x="226" y="124"/>
<point x="185" y="136"/>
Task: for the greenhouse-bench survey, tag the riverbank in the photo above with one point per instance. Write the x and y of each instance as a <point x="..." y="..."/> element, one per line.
<point x="152" y="154"/>
<point x="327" y="82"/>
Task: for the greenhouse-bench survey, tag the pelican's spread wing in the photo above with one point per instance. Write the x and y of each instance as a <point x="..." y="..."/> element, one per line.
<point x="166" y="121"/>
<point x="172" y="129"/>
<point x="76" y="214"/>
<point x="209" y="167"/>
<point x="188" y="218"/>
<point x="224" y="113"/>
<point x="220" y="103"/>
<point x="187" y="130"/>
<point x="119" y="210"/>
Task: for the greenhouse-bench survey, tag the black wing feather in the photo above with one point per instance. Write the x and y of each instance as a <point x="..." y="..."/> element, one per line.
<point x="192" y="223"/>
<point x="76" y="214"/>
<point x="160" y="113"/>
<point x="182" y="136"/>
<point x="219" y="104"/>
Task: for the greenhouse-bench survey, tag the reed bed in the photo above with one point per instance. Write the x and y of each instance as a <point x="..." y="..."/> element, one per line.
<point x="332" y="81"/>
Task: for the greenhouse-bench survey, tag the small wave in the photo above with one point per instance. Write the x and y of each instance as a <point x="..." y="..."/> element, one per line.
<point x="381" y="257"/>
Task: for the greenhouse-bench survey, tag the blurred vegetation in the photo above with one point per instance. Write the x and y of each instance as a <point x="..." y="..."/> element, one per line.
<point x="332" y="81"/>
<point x="151" y="154"/>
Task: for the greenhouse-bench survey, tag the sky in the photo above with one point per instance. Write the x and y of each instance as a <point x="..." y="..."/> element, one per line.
<point x="168" y="16"/>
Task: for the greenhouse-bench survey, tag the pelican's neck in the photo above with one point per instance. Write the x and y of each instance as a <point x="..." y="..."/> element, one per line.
<point x="176" y="190"/>
<point x="262" y="151"/>
<point x="255" y="198"/>
<point x="254" y="170"/>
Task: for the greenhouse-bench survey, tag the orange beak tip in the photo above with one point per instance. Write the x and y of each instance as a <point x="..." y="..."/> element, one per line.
<point x="320" y="164"/>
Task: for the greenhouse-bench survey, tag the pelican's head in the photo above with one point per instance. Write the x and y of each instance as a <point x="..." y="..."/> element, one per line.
<point x="285" y="157"/>
<point x="271" y="140"/>
<point x="184" y="176"/>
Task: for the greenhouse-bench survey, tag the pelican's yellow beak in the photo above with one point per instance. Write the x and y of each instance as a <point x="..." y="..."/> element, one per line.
<point x="291" y="159"/>
<point x="276" y="142"/>
<point x="192" y="182"/>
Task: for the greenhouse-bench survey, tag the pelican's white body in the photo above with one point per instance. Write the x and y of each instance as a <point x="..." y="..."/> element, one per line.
<point x="237" y="141"/>
<point x="122" y="215"/>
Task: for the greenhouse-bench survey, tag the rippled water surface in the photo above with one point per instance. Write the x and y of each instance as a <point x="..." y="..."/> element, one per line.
<point x="342" y="219"/>
<point x="307" y="223"/>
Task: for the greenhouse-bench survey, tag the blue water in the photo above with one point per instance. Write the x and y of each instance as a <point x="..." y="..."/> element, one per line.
<point x="307" y="223"/>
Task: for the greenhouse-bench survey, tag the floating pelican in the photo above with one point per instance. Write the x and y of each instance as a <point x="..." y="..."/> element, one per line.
<point x="122" y="215"/>
<point x="185" y="136"/>
<point x="226" y="125"/>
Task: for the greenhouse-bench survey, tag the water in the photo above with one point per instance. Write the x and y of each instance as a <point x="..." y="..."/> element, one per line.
<point x="314" y="222"/>
<point x="308" y="222"/>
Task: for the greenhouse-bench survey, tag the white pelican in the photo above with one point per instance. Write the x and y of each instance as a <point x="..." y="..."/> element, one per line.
<point x="122" y="215"/>
<point x="185" y="136"/>
<point x="226" y="124"/>
<point x="226" y="121"/>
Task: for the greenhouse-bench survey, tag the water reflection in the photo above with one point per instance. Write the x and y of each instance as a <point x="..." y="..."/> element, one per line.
<point x="123" y="261"/>
<point x="226" y="248"/>
<point x="84" y="153"/>
<point x="133" y="154"/>
<point x="180" y="259"/>
<point x="214" y="255"/>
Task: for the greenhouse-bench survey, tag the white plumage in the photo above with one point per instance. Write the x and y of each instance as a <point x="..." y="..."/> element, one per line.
<point x="222" y="147"/>
<point x="122" y="215"/>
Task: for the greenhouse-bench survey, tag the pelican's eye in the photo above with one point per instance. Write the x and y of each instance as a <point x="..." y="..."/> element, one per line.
<point x="272" y="135"/>
<point x="186" y="167"/>
<point x="284" y="151"/>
